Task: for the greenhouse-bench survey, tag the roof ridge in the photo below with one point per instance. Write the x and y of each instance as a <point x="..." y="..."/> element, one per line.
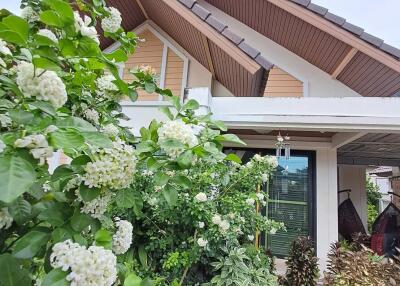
<point x="224" y="30"/>
<point x="355" y="30"/>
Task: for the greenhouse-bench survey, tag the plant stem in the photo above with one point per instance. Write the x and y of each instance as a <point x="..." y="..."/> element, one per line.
<point x="187" y="267"/>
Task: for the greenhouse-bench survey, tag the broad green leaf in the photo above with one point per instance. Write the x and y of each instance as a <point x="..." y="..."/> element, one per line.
<point x="119" y="56"/>
<point x="160" y="179"/>
<point x="148" y="282"/>
<point x="145" y="146"/>
<point x="185" y="159"/>
<point x="46" y="64"/>
<point x="62" y="172"/>
<point x="30" y="244"/>
<point x="21" y="116"/>
<point x="97" y="139"/>
<point x="20" y="210"/>
<point x="182" y="181"/>
<point x="233" y="157"/>
<point x="5" y="104"/>
<point x="88" y="194"/>
<point x="60" y="234"/>
<point x="167" y="112"/>
<point x="16" y="176"/>
<point x="150" y="87"/>
<point x="66" y="139"/>
<point x="142" y="255"/>
<point x="55" y="214"/>
<point x="76" y="123"/>
<point x="170" y="194"/>
<point x="132" y="280"/>
<point x="229" y="138"/>
<point x="80" y="221"/>
<point x="132" y="94"/>
<point x="171" y="143"/>
<point x="145" y="134"/>
<point x="81" y="160"/>
<point x="14" y="29"/>
<point x="80" y="239"/>
<point x="190" y="105"/>
<point x="129" y="198"/>
<point x="51" y="18"/>
<point x="44" y="41"/>
<point x="45" y="107"/>
<point x="220" y="125"/>
<point x="11" y="272"/>
<point x="103" y="238"/>
<point x="62" y="8"/>
<point x="55" y="277"/>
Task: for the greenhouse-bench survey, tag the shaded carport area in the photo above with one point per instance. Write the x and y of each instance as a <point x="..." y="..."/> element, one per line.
<point x="371" y="149"/>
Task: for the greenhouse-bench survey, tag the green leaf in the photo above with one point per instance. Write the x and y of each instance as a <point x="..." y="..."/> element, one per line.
<point x="30" y="244"/>
<point x="167" y="112"/>
<point x="233" y="157"/>
<point x="60" y="234"/>
<point x="185" y="159"/>
<point x="220" y="125"/>
<point x="62" y="172"/>
<point x="88" y="194"/>
<point x="16" y="176"/>
<point x="45" y="107"/>
<point x="148" y="282"/>
<point x="170" y="194"/>
<point x="132" y="94"/>
<point x="150" y="87"/>
<point x="14" y="29"/>
<point x="46" y="64"/>
<point x="171" y="143"/>
<point x="55" y="277"/>
<point x="51" y="18"/>
<point x="80" y="221"/>
<point x="132" y="280"/>
<point x="20" y="210"/>
<point x="119" y="56"/>
<point x="63" y="9"/>
<point x="55" y="214"/>
<point x="160" y="179"/>
<point x="182" y="181"/>
<point x="66" y="139"/>
<point x="80" y="239"/>
<point x="5" y="104"/>
<point x="190" y="105"/>
<point x="21" y="116"/>
<point x="103" y="238"/>
<point x="76" y="123"/>
<point x="142" y="255"/>
<point x="97" y="139"/>
<point x="229" y="138"/>
<point x="129" y="198"/>
<point x="44" y="41"/>
<point x="81" y="160"/>
<point x="11" y="272"/>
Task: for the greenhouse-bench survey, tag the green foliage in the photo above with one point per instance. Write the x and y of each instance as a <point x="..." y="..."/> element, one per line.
<point x="373" y="197"/>
<point x="302" y="263"/>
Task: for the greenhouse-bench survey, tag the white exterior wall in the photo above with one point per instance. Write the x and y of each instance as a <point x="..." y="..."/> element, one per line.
<point x="320" y="84"/>
<point x="353" y="177"/>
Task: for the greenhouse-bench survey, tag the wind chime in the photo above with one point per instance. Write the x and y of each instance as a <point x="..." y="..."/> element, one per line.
<point x="282" y="146"/>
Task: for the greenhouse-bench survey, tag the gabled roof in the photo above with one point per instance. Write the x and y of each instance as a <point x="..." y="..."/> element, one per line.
<point x="233" y="62"/>
<point x="359" y="60"/>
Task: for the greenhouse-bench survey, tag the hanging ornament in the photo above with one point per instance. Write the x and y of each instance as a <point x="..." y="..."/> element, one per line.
<point x="287" y="147"/>
<point x="279" y="145"/>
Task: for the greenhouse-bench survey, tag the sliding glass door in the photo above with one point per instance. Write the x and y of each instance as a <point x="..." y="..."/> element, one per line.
<point x="291" y="197"/>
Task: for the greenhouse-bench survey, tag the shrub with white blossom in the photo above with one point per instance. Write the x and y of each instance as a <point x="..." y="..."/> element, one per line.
<point x="179" y="197"/>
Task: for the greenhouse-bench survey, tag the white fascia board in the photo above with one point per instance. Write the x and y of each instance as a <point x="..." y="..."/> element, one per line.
<point x="333" y="114"/>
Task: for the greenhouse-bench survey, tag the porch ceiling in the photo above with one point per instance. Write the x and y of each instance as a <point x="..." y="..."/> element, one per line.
<point x="382" y="149"/>
<point x="235" y="64"/>
<point x="359" y="60"/>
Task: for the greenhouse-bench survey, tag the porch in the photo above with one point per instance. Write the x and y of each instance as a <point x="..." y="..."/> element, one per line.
<point x="342" y="136"/>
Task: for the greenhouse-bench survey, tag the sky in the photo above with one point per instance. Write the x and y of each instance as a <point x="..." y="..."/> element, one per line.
<point x="379" y="18"/>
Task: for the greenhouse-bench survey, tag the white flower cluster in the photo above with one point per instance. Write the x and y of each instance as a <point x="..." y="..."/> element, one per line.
<point x="250" y="201"/>
<point x="201" y="197"/>
<point x="94" y="266"/>
<point x="4" y="49"/>
<point x="44" y="85"/>
<point x="38" y="145"/>
<point x="48" y="34"/>
<point x="122" y="239"/>
<point x="111" y="167"/>
<point x="111" y="130"/>
<point x="5" y="218"/>
<point x="29" y="14"/>
<point x="83" y="26"/>
<point x="224" y="225"/>
<point x="111" y="23"/>
<point x="91" y="115"/>
<point x="147" y="70"/>
<point x="5" y="121"/>
<point x="96" y="207"/>
<point x="177" y="130"/>
<point x="2" y="146"/>
<point x="202" y="242"/>
<point x="105" y="83"/>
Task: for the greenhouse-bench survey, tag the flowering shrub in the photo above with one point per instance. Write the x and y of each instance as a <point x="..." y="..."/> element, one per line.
<point x="178" y="196"/>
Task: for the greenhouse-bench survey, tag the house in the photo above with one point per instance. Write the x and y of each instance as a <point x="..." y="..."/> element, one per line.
<point x="270" y="67"/>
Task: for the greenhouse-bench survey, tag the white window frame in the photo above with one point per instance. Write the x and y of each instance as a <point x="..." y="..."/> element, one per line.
<point x="167" y="45"/>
